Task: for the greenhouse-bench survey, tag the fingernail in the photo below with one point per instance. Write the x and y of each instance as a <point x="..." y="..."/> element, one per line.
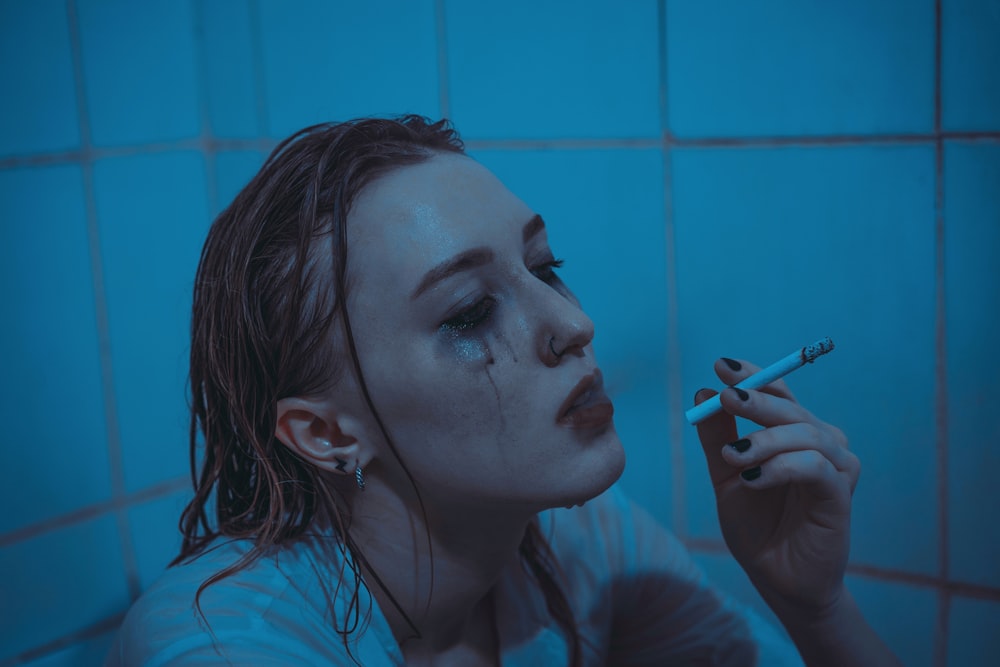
<point x="751" y="474"/>
<point x="741" y="445"/>
<point x="742" y="394"/>
<point x="698" y="392"/>
<point x="733" y="364"/>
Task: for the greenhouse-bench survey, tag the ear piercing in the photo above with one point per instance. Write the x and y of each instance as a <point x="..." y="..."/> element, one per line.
<point x="359" y="475"/>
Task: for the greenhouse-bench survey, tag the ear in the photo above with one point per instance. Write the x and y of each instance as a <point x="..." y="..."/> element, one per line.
<point x="316" y="431"/>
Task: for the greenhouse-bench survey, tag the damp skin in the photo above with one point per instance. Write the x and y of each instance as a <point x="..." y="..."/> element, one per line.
<point x="469" y="392"/>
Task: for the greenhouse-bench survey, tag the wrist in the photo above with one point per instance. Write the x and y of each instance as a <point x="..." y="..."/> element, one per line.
<point x="803" y="616"/>
<point x="835" y="634"/>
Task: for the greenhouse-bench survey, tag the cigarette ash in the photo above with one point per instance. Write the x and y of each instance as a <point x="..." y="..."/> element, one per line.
<point x="817" y="349"/>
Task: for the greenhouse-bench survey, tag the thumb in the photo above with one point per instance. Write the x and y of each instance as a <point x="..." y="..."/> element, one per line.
<point x="714" y="433"/>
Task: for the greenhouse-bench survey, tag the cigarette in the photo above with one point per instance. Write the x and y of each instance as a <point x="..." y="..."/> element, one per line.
<point x="777" y="370"/>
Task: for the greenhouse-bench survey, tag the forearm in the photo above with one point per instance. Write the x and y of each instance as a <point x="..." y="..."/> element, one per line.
<point x="840" y="637"/>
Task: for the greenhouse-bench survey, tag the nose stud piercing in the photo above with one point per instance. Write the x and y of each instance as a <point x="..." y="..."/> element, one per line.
<point x="557" y="355"/>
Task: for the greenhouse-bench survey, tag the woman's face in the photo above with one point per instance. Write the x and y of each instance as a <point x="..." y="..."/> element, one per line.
<point x="476" y="355"/>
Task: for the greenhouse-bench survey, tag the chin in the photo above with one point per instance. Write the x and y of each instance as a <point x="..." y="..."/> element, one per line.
<point x="600" y="475"/>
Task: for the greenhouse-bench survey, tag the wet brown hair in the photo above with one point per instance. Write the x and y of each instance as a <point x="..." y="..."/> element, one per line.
<point x="269" y="295"/>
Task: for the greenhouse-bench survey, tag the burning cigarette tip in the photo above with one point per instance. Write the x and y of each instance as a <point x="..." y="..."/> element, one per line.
<point x="817" y="349"/>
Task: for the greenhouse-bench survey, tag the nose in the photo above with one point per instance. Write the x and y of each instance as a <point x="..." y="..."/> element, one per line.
<point x="566" y="330"/>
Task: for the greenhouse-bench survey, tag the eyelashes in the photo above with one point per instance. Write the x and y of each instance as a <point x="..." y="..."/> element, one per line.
<point x="480" y="312"/>
<point x="546" y="272"/>
<point x="472" y="316"/>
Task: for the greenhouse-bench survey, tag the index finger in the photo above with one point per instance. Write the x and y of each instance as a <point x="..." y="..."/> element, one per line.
<point x="714" y="432"/>
<point x="733" y="371"/>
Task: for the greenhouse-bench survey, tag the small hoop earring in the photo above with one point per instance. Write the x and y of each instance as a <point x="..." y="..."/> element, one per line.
<point x="359" y="477"/>
<point x="557" y="355"/>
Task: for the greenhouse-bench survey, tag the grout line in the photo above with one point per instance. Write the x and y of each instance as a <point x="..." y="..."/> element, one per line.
<point x="563" y="144"/>
<point x="806" y="140"/>
<point x="105" y="625"/>
<point x="89" y="512"/>
<point x="205" y="136"/>
<point x="940" y="352"/>
<point x="675" y="407"/>
<point x="73" y="157"/>
<point x="263" y="143"/>
<point x="87" y="158"/>
<point x="444" y="91"/>
<point x="717" y="547"/>
<point x="257" y="62"/>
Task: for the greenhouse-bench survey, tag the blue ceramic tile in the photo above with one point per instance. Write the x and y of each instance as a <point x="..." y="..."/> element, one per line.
<point x="604" y="214"/>
<point x="153" y="217"/>
<point x="640" y="419"/>
<point x="139" y="67"/>
<point x="777" y="248"/>
<point x="800" y="68"/>
<point x="155" y="535"/>
<point x="233" y="170"/>
<point x="970" y="65"/>
<point x="972" y="245"/>
<point x="60" y="582"/>
<point x="528" y="69"/>
<point x="230" y="76"/>
<point x="36" y="74"/>
<point x="905" y="617"/>
<point x="55" y="435"/>
<point x="973" y="633"/>
<point x="326" y="61"/>
<point x="87" y="653"/>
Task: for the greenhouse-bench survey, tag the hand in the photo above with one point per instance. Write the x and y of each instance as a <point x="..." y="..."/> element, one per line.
<point x="784" y="502"/>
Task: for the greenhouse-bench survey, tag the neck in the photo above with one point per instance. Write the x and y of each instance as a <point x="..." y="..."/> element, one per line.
<point x="438" y="570"/>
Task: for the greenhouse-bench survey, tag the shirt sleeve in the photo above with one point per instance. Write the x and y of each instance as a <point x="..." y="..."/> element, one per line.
<point x="665" y="611"/>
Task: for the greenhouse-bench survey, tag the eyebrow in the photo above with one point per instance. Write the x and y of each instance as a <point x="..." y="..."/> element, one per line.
<point x="534" y="226"/>
<point x="471" y="259"/>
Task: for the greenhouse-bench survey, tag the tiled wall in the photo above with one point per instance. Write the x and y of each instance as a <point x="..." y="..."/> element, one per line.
<point x="724" y="178"/>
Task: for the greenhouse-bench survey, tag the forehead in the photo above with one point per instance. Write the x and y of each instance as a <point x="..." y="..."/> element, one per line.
<point x="419" y="215"/>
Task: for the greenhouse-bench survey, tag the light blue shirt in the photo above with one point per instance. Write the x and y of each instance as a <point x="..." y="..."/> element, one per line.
<point x="637" y="597"/>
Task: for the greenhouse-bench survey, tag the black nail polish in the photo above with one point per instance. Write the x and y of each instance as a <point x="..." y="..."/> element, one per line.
<point x="733" y="364"/>
<point x="741" y="445"/>
<point x="698" y="392"/>
<point x="742" y="394"/>
<point x="751" y="474"/>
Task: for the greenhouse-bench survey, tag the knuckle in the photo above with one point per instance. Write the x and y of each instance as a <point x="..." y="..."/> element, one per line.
<point x="816" y="464"/>
<point x="810" y="433"/>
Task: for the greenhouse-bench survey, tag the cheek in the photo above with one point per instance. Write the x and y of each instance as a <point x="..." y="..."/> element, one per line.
<point x="464" y="387"/>
<point x="471" y="352"/>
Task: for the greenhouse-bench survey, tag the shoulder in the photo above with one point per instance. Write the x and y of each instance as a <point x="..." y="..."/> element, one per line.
<point x="271" y="613"/>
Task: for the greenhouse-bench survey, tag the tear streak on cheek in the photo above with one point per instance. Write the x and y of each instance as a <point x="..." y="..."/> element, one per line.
<point x="476" y="352"/>
<point x="496" y="392"/>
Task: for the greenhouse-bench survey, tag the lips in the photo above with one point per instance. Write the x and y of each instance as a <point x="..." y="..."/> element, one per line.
<point x="587" y="406"/>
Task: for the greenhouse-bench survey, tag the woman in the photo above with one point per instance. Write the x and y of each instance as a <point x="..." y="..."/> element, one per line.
<point x="410" y="457"/>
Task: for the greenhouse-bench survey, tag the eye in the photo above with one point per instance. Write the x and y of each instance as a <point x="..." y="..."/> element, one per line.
<point x="546" y="271"/>
<point x="471" y="317"/>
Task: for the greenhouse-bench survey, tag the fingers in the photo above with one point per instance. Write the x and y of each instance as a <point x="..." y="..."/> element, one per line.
<point x="714" y="432"/>
<point x="793" y="445"/>
<point x="764" y="408"/>
<point x="732" y="371"/>
<point x="765" y="450"/>
<point x="806" y="467"/>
